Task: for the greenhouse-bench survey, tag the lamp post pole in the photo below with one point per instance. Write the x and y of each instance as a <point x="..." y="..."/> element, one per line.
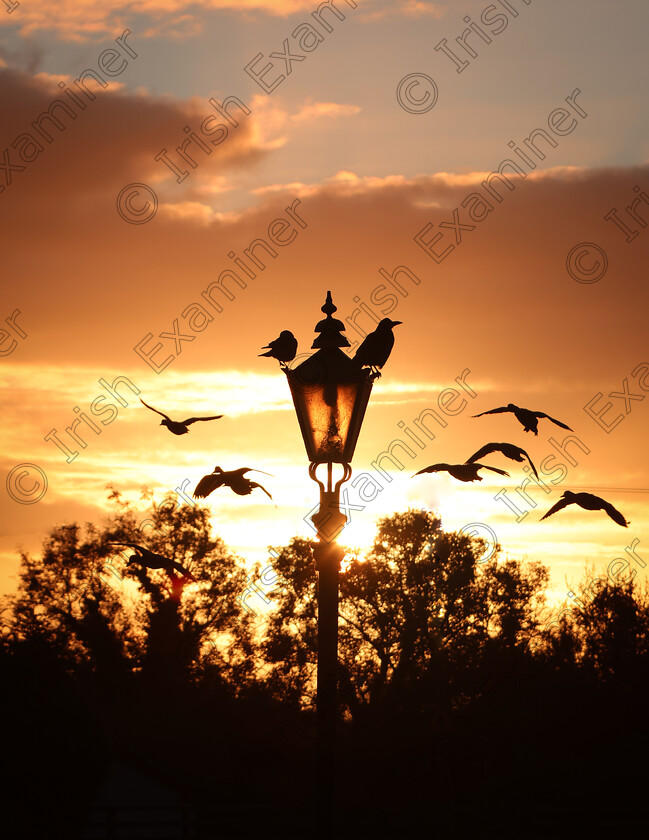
<point x="328" y="555"/>
<point x="330" y="391"/>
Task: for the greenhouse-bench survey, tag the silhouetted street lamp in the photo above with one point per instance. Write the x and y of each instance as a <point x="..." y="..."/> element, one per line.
<point x="330" y="392"/>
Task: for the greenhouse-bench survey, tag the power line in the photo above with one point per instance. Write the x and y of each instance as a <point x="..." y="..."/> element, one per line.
<point x="616" y="489"/>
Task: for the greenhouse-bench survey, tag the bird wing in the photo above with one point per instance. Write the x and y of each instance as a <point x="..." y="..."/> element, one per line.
<point x="365" y="348"/>
<point x="559" y="506"/>
<point x="487" y="449"/>
<point x="614" y="513"/>
<point x="161" y="413"/>
<point x="375" y="348"/>
<point x="494" y="469"/>
<point x="509" y="450"/>
<point x="432" y="468"/>
<point x="271" y="347"/>
<point x="558" y="422"/>
<point x="160" y="558"/>
<point x="207" y="484"/>
<point x="501" y="410"/>
<point x="523" y="452"/>
<point x="191" y="420"/>
<point x="183" y="570"/>
<point x="254" y="484"/>
<point x="249" y="469"/>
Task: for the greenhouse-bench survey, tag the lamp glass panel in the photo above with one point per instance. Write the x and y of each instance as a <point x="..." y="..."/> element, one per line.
<point x="329" y="411"/>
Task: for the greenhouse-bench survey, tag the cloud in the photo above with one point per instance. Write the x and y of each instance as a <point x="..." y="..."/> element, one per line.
<point x="79" y="20"/>
<point x="408" y="9"/>
<point x="96" y="285"/>
<point x="191" y="211"/>
<point x="314" y="110"/>
<point x="271" y="123"/>
<point x="416" y="9"/>
<point x="132" y="129"/>
<point x="342" y="182"/>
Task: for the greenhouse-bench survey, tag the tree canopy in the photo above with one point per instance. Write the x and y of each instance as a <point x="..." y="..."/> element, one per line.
<point x="450" y="676"/>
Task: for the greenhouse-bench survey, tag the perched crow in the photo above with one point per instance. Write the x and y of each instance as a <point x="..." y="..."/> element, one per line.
<point x="377" y="346"/>
<point x="528" y="419"/>
<point x="283" y="348"/>
<point x="587" y="501"/>
<point x="181" y="427"/>
<point x="234" y="479"/>
<point x="509" y="450"/>
<point x="463" y="472"/>
<point x="154" y="561"/>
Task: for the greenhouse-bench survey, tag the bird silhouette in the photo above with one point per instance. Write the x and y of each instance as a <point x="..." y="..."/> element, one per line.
<point x="377" y="346"/>
<point x="528" y="419"/>
<point x="463" y="472"/>
<point x="178" y="428"/>
<point x="588" y="501"/>
<point x="283" y="348"/>
<point x="154" y="561"/>
<point x="234" y="479"/>
<point x="509" y="450"/>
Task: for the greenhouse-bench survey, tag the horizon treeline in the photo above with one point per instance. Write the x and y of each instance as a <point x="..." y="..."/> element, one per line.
<point x="466" y="703"/>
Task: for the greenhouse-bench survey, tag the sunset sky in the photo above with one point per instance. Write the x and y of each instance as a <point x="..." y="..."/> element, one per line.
<point x="178" y="144"/>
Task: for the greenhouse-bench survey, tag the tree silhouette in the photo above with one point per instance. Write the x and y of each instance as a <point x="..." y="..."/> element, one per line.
<point x="63" y="601"/>
<point x="607" y="629"/>
<point x="289" y="645"/>
<point x="419" y="616"/>
<point x="454" y="698"/>
<point x="93" y="608"/>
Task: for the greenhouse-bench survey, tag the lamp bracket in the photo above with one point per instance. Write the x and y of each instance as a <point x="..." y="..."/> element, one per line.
<point x="328" y="520"/>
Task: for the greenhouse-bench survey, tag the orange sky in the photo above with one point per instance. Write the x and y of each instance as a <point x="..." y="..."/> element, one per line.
<point x="356" y="179"/>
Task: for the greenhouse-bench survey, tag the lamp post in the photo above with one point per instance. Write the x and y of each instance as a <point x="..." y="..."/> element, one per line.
<point x="330" y="392"/>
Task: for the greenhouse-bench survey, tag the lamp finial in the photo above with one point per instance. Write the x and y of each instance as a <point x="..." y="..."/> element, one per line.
<point x="330" y="329"/>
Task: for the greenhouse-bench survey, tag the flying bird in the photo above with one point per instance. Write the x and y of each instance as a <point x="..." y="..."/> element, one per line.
<point x="234" y="479"/>
<point x="178" y="428"/>
<point x="283" y="348"/>
<point x="588" y="501"/>
<point x="154" y="561"/>
<point x="463" y="472"/>
<point x="509" y="450"/>
<point x="529" y="419"/>
<point x="377" y="346"/>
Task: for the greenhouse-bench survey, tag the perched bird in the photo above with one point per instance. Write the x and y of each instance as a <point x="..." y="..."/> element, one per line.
<point x="234" y="479"/>
<point x="283" y="348"/>
<point x="529" y="419"/>
<point x="178" y="428"/>
<point x="587" y="501"/>
<point x="154" y="561"/>
<point x="509" y="450"/>
<point x="377" y="346"/>
<point x="463" y="472"/>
